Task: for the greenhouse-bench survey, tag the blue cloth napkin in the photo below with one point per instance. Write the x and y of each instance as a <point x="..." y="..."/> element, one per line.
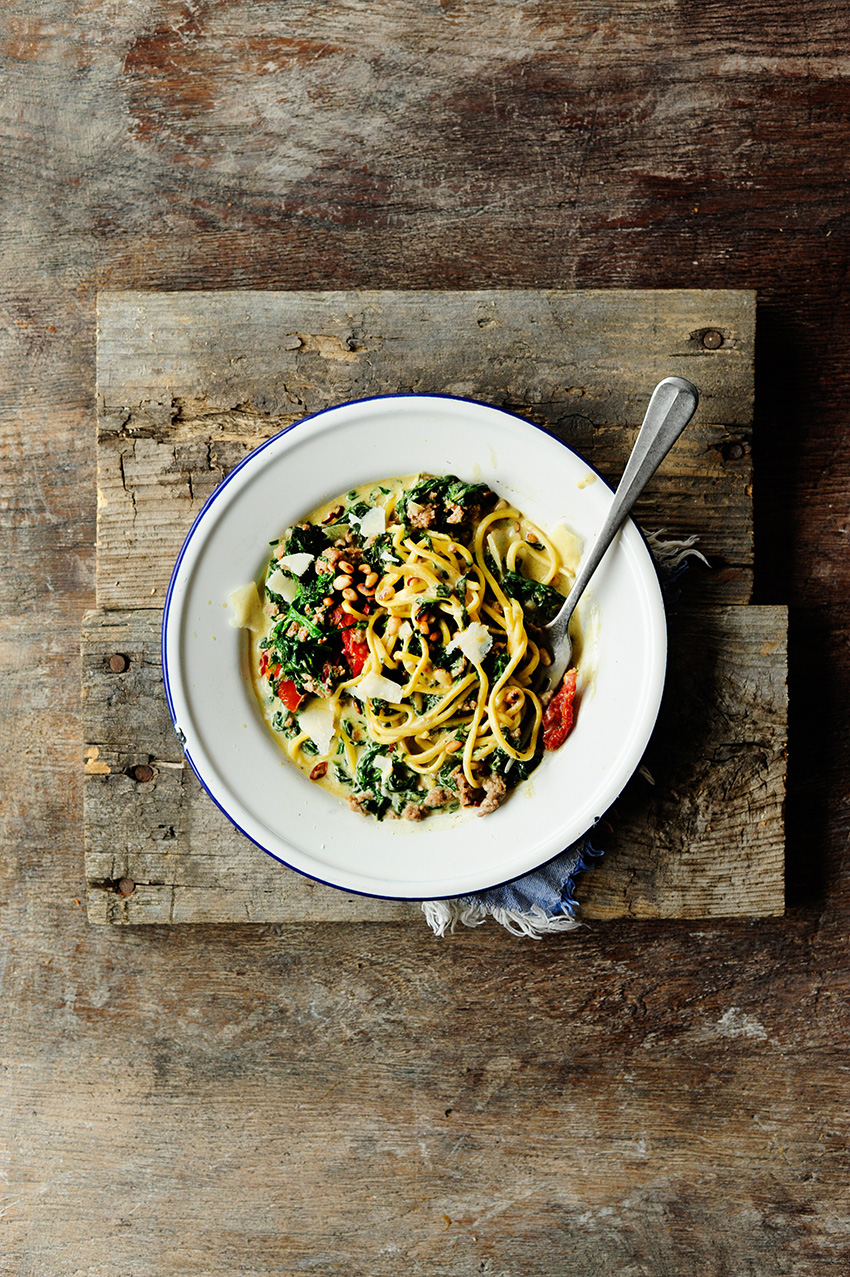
<point x="539" y="902"/>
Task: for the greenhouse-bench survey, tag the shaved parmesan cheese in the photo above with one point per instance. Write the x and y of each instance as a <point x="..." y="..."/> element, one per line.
<point x="282" y="585"/>
<point x="317" y="720"/>
<point x="373" y="522"/>
<point x="475" y="642"/>
<point x="382" y="764"/>
<point x="568" y="545"/>
<point x="377" y="688"/>
<point x="247" y="609"/>
<point x="297" y="563"/>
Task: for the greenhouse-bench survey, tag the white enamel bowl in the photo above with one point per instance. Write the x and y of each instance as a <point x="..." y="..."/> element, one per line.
<point x="215" y="711"/>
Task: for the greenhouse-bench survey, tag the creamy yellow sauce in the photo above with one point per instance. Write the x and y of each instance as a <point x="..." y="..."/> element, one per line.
<point x="329" y="752"/>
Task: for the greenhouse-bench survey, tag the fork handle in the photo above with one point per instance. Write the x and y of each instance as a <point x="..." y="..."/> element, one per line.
<point x="671" y="406"/>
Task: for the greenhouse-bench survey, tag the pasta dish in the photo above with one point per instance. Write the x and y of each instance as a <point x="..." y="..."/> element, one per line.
<point x="396" y="639"/>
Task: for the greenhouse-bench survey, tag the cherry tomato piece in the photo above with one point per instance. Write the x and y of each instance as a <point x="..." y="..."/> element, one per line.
<point x="356" y="650"/>
<point x="559" y="714"/>
<point x="288" y="693"/>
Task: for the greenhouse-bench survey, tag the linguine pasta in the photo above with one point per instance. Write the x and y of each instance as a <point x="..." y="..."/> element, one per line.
<point x="396" y="641"/>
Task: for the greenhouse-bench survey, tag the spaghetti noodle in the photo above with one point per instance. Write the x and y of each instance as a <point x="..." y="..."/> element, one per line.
<point x="402" y="630"/>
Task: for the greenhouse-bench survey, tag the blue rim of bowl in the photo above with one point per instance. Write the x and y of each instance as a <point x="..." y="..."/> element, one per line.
<point x="348" y="403"/>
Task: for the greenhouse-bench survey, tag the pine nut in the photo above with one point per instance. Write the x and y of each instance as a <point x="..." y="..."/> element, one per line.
<point x="345" y="566"/>
<point x="435" y="636"/>
<point x="350" y="594"/>
<point x="393" y="625"/>
<point x="328" y="601"/>
<point x="366" y="591"/>
<point x="342" y="581"/>
<point x="453" y="746"/>
<point x="372" y="578"/>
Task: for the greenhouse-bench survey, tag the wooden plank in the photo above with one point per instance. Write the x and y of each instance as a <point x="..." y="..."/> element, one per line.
<point x="699" y="831"/>
<point x="161" y="833"/>
<point x="189" y="383"/>
<point x="705" y="841"/>
<point x="664" y="1099"/>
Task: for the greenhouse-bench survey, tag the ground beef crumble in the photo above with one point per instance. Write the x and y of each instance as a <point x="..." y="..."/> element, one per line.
<point x="438" y="797"/>
<point x="469" y="796"/>
<point x="421" y="516"/>
<point x="495" y="791"/>
<point x="487" y="798"/>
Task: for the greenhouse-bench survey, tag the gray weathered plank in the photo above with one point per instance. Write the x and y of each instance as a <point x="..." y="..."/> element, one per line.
<point x="189" y="383"/>
<point x="706" y="840"/>
<point x="699" y="831"/>
<point x="161" y="833"/>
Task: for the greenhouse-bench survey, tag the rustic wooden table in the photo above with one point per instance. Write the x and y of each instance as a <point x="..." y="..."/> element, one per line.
<point x="657" y="1096"/>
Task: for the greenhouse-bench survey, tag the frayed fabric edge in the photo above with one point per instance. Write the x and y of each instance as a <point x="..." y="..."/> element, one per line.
<point x="447" y="915"/>
<point x="674" y="551"/>
<point x="524" y="916"/>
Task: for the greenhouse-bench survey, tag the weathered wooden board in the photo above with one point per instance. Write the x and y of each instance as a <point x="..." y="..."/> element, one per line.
<point x="189" y="383"/>
<point x="705" y="839"/>
<point x="362" y="1101"/>
<point x="699" y="831"/>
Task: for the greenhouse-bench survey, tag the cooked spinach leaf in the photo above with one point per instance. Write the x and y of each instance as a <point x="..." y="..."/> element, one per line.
<point x="379" y="553"/>
<point x="499" y="760"/>
<point x="495" y="663"/>
<point x="444" y="776"/>
<point x="540" y="602"/>
<point x="303" y="660"/>
<point x="450" y="499"/>
<point x="309" y="540"/>
<point x="395" y="790"/>
<point x="285" y="722"/>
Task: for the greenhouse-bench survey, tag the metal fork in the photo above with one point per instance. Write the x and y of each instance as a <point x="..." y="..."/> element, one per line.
<point x="671" y="406"/>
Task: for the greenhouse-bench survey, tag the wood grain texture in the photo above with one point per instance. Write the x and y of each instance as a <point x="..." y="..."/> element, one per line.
<point x="700" y="833"/>
<point x="158" y="850"/>
<point x="652" y="1098"/>
<point x="188" y="384"/>
<point x="700" y="830"/>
